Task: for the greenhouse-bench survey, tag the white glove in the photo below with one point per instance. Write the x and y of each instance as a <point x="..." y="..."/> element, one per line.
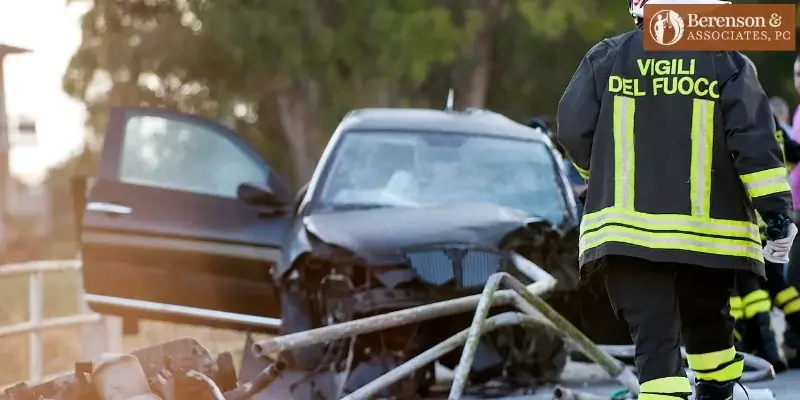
<point x="777" y="251"/>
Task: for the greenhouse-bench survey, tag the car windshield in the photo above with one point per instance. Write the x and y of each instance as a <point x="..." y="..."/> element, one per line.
<point x="419" y="169"/>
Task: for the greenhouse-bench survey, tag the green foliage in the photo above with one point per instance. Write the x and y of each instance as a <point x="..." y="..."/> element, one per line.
<point x="311" y="61"/>
<point x="305" y="63"/>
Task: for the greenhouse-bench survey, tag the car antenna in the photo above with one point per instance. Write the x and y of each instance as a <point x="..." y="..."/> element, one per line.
<point x="448" y="107"/>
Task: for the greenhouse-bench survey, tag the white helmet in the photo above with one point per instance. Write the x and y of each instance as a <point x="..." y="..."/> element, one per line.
<point x="636" y="7"/>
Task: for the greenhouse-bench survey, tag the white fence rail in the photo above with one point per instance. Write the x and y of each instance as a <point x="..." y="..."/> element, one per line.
<point x="99" y="334"/>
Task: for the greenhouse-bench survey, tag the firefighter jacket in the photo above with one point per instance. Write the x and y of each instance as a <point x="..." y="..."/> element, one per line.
<point x="791" y="149"/>
<point x="791" y="155"/>
<point x="679" y="151"/>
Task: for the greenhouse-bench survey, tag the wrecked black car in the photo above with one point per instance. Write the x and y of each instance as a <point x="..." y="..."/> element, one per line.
<point x="186" y="223"/>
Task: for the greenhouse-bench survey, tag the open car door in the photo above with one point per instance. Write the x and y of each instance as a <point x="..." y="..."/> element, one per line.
<point x="165" y="235"/>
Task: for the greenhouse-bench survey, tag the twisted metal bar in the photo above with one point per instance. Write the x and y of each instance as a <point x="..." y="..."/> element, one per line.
<point x="612" y="366"/>
<point x="431" y="355"/>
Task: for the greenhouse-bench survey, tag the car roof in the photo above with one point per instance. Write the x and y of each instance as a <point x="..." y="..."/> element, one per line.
<point x="471" y="121"/>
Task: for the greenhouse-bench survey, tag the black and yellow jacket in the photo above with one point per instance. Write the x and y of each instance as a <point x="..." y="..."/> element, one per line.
<point x="791" y="150"/>
<point x="791" y="156"/>
<point x="679" y="150"/>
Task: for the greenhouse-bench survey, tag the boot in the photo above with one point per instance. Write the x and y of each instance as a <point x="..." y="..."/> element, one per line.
<point x="714" y="390"/>
<point x="764" y="343"/>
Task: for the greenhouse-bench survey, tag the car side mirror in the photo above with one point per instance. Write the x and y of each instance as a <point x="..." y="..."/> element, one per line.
<point x="258" y="194"/>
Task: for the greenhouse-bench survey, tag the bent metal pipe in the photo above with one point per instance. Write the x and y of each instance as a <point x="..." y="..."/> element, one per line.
<point x="543" y="283"/>
<point x="505" y="319"/>
<point x="526" y="298"/>
<point x="612" y="366"/>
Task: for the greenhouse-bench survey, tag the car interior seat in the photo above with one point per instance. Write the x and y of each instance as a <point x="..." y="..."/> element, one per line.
<point x="386" y="160"/>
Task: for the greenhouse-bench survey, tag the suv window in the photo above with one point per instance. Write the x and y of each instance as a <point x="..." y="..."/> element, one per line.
<point x="181" y="155"/>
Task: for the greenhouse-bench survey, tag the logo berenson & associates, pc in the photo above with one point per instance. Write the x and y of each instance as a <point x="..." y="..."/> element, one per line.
<point x="715" y="26"/>
<point x="666" y="27"/>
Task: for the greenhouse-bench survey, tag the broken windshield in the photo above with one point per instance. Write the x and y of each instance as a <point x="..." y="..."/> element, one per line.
<point x="418" y="169"/>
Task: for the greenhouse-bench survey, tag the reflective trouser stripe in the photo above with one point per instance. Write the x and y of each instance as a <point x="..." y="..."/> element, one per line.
<point x="737" y="312"/>
<point x="788" y="300"/>
<point x="756" y="302"/>
<point x="624" y="157"/>
<point x="766" y="182"/>
<point x="719" y="366"/>
<point x="582" y="172"/>
<point x="671" y="387"/>
<point x="702" y="146"/>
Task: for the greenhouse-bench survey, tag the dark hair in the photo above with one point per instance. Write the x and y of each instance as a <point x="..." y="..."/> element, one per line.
<point x="541" y="122"/>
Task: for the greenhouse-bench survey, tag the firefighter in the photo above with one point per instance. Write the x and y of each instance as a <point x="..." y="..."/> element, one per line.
<point x="679" y="151"/>
<point x="753" y="300"/>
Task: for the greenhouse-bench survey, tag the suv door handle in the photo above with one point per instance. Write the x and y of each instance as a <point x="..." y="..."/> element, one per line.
<point x="108" y="208"/>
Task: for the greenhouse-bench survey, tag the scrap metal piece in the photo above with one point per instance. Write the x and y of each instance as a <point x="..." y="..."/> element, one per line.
<point x="431" y="355"/>
<point x="211" y="386"/>
<point x="260" y="382"/>
<point x="21" y="391"/>
<point x="611" y="365"/>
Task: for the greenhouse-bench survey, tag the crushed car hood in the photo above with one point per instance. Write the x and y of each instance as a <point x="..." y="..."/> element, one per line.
<point x="378" y="235"/>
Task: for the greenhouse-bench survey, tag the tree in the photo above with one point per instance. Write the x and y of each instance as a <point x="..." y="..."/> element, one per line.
<point x="284" y="72"/>
<point x="283" y="60"/>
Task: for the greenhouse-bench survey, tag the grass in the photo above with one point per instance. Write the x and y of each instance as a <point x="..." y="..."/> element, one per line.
<point x="62" y="346"/>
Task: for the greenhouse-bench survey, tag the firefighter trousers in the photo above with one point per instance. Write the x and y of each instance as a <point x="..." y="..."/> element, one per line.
<point x="785" y="296"/>
<point x="751" y="307"/>
<point x="662" y="302"/>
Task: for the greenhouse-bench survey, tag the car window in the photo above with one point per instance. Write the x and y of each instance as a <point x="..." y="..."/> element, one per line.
<point x="181" y="155"/>
<point x="418" y="169"/>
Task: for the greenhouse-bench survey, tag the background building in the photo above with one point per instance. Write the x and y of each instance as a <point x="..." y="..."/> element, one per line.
<point x="21" y="206"/>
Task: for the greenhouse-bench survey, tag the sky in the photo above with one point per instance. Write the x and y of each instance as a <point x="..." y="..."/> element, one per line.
<point x="51" y="29"/>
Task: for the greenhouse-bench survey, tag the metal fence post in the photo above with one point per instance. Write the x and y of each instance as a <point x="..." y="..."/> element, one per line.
<point x="100" y="336"/>
<point x="35" y="310"/>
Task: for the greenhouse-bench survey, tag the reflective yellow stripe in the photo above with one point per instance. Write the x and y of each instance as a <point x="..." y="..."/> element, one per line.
<point x="756" y="302"/>
<point x="655" y="396"/>
<point x="673" y="222"/>
<point x="786" y="295"/>
<point x="767" y="182"/>
<point x="669" y="385"/>
<point x="788" y="300"/>
<point x="728" y="373"/>
<point x="702" y="146"/>
<point x="792" y="307"/>
<point x="624" y="158"/>
<point x="710" y="361"/>
<point x="582" y="172"/>
<point x="737" y="312"/>
<point x="670" y="240"/>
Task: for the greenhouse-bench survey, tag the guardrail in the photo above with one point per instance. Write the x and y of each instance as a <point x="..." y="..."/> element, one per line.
<point x="99" y="334"/>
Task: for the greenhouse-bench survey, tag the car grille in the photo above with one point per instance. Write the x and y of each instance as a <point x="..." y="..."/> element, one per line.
<point x="467" y="267"/>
